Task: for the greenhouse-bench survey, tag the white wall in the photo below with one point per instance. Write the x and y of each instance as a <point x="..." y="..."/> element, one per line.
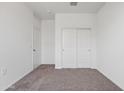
<point x="74" y="21"/>
<point x="48" y="41"/>
<point x="16" y="26"/>
<point x="110" y="42"/>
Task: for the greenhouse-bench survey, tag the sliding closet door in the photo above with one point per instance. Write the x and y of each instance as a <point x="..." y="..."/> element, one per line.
<point x="83" y="48"/>
<point x="69" y="48"/>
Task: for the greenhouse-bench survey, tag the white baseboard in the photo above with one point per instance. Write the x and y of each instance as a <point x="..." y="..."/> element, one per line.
<point x="100" y="70"/>
<point x="3" y="89"/>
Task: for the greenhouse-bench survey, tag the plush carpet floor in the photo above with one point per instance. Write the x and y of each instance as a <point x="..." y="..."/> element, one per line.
<point x="46" y="78"/>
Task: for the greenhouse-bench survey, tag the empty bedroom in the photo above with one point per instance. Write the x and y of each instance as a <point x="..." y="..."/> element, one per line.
<point x="62" y="46"/>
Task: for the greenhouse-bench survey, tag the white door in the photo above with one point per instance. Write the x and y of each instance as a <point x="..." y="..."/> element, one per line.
<point x="83" y="48"/>
<point x="76" y="48"/>
<point x="36" y="47"/>
<point x="69" y="48"/>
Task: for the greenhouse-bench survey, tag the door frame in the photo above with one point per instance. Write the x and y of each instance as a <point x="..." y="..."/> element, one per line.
<point x="76" y="28"/>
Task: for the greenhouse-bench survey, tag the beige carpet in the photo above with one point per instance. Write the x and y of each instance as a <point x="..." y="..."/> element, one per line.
<point x="46" y="78"/>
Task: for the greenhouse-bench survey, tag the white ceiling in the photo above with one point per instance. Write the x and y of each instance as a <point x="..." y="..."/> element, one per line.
<point x="47" y="10"/>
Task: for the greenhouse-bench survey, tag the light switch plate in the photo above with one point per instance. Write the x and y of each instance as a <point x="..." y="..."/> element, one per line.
<point x="3" y="71"/>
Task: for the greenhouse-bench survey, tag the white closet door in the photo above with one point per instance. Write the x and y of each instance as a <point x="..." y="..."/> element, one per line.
<point x="83" y="48"/>
<point x="69" y="48"/>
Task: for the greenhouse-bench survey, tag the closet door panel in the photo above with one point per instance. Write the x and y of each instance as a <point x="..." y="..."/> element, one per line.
<point x="83" y="48"/>
<point x="69" y="48"/>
